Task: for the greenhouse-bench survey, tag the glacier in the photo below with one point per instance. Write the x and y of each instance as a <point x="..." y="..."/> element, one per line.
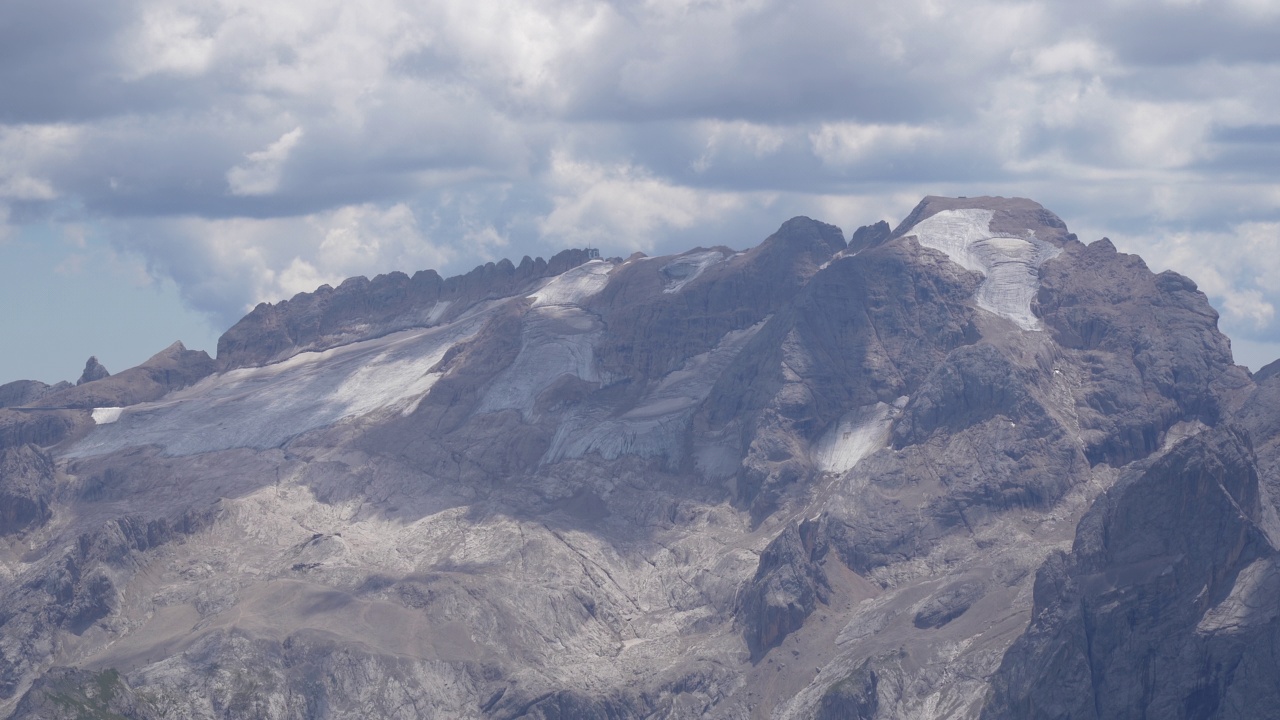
<point x="1009" y="264"/>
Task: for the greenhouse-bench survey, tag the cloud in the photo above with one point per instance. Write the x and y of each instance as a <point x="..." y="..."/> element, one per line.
<point x="169" y="40"/>
<point x="26" y="151"/>
<point x="261" y="174"/>
<point x="224" y="267"/>
<point x="623" y="205"/>
<point x="453" y="132"/>
<point x="850" y="143"/>
<point x="1236" y="268"/>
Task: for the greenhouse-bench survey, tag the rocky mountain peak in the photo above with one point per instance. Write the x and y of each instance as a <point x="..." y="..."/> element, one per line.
<point x="808" y="235"/>
<point x="1267" y="371"/>
<point x="970" y="466"/>
<point x="1011" y="217"/>
<point x="869" y="236"/>
<point x="93" y="370"/>
<point x="360" y="309"/>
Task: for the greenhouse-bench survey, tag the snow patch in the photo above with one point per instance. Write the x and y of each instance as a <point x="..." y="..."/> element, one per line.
<point x="265" y="407"/>
<point x="573" y="286"/>
<point x="856" y="435"/>
<point x="1009" y="264"/>
<point x="555" y="342"/>
<point x="684" y="269"/>
<point x="437" y="311"/>
<point x="106" y="415"/>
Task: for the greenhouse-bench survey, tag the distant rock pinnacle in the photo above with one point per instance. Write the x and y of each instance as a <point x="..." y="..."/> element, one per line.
<point x="93" y="370"/>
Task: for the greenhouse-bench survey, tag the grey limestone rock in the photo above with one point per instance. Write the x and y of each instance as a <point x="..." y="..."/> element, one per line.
<point x="1165" y="605"/>
<point x="27" y="392"/>
<point x="787" y="587"/>
<point x="73" y="694"/>
<point x="807" y="479"/>
<point x="1267" y="371"/>
<point x="853" y="698"/>
<point x="93" y="370"/>
<point x="26" y="488"/>
<point x="949" y="604"/>
<point x="1148" y="343"/>
<point x="360" y="309"/>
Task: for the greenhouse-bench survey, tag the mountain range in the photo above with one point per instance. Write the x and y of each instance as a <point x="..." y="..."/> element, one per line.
<point x="970" y="467"/>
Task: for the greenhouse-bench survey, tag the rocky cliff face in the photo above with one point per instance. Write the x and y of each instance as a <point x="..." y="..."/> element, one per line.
<point x="970" y="467"/>
<point x="360" y="309"/>
<point x="26" y="488"/>
<point x="27" y="392"/>
<point x="1168" y="604"/>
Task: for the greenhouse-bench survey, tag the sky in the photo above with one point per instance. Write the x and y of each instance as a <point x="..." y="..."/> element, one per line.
<point x="165" y="165"/>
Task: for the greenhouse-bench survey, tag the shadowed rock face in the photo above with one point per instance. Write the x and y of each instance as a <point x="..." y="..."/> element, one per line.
<point x="1167" y="605"/>
<point x="808" y="479"/>
<point x="788" y="585"/>
<point x="26" y="487"/>
<point x="853" y="698"/>
<point x="1149" y="342"/>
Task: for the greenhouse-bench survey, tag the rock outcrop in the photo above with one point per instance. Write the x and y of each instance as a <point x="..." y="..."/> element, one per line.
<point x="27" y="392"/>
<point x="171" y="369"/>
<point x="93" y="370"/>
<point x="72" y="694"/>
<point x="787" y="587"/>
<point x="26" y="488"/>
<point x="1167" y="606"/>
<point x="361" y="309"/>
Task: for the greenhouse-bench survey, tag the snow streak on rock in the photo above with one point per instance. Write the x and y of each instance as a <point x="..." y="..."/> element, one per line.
<point x="858" y="434"/>
<point x="684" y="269"/>
<point x="1009" y="264"/>
<point x="557" y="341"/>
<point x="437" y="311"/>
<point x="574" y="286"/>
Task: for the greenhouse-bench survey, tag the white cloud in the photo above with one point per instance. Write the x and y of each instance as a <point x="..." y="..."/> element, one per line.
<point x="463" y="130"/>
<point x="1236" y="268"/>
<point x="167" y="39"/>
<point x="623" y="205"/>
<point x="735" y="138"/>
<point x="1071" y="56"/>
<point x="225" y="267"/>
<point x="1261" y="9"/>
<point x="28" y="153"/>
<point x="261" y="174"/>
<point x="848" y="143"/>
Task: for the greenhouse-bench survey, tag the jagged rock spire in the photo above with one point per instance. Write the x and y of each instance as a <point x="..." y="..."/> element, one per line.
<point x="93" y="370"/>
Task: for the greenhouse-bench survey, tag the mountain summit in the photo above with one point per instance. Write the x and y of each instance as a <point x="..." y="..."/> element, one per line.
<point x="969" y="467"/>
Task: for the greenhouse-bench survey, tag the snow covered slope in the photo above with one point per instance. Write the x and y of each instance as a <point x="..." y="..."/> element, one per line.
<point x="264" y="407"/>
<point x="1010" y="264"/>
